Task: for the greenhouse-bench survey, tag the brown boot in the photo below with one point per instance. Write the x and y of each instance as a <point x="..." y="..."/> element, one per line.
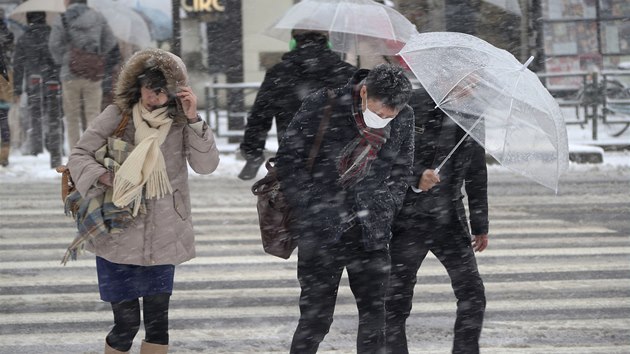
<point x="110" y="350"/>
<point x="4" y="154"/>
<point x="150" y="348"/>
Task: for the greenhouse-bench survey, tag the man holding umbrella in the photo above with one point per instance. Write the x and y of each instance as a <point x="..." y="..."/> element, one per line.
<point x="433" y="218"/>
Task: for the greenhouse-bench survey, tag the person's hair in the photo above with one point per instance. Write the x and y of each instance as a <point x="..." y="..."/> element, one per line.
<point x="303" y="37"/>
<point x="388" y="84"/>
<point x="70" y="2"/>
<point x="36" y="17"/>
<point x="153" y="78"/>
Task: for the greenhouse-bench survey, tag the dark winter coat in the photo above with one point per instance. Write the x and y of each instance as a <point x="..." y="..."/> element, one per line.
<point x="301" y="72"/>
<point x="435" y="136"/>
<point x="319" y="203"/>
<point x="32" y="57"/>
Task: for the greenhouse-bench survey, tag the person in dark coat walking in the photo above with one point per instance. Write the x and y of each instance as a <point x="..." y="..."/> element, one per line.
<point x="345" y="204"/>
<point x="308" y="67"/>
<point x="33" y="70"/>
<point x="433" y="218"/>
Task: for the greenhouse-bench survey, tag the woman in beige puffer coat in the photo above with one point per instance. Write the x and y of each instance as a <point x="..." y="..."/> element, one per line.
<point x="168" y="134"/>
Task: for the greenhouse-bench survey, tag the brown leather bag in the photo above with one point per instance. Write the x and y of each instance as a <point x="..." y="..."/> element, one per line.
<point x="84" y="64"/>
<point x="87" y="65"/>
<point x="274" y="213"/>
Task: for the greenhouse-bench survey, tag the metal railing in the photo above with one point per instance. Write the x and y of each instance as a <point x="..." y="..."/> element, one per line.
<point x="595" y="98"/>
<point x="591" y="100"/>
<point x="218" y="115"/>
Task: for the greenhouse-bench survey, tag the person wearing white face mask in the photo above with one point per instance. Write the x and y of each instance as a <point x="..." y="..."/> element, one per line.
<point x="344" y="205"/>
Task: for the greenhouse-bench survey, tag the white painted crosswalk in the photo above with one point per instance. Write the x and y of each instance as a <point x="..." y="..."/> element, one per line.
<point x="553" y="285"/>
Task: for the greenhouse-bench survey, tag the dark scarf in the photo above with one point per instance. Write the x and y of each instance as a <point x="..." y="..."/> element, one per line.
<point x="357" y="156"/>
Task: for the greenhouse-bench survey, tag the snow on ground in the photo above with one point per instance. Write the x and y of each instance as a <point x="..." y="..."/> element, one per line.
<point x="36" y="168"/>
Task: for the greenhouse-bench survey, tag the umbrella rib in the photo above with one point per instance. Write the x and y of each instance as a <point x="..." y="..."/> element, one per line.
<point x="457" y="46"/>
<point x="334" y="19"/>
<point x="454" y="86"/>
<point x="389" y="21"/>
<point x="509" y="113"/>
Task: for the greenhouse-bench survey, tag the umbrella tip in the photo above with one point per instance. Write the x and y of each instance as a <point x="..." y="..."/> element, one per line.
<point x="529" y="61"/>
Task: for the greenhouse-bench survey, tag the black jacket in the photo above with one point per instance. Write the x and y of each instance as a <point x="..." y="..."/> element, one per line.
<point x="319" y="203"/>
<point x="32" y="57"/>
<point x="435" y="136"/>
<point x="301" y="72"/>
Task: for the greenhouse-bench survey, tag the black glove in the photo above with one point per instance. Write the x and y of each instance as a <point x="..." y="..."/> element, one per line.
<point x="251" y="167"/>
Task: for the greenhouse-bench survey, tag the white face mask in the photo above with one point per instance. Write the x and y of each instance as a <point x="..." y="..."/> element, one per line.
<point x="372" y="120"/>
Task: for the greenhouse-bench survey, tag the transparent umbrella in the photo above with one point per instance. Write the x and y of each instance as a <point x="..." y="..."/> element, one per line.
<point x="495" y="99"/>
<point x="52" y="8"/>
<point x="126" y="24"/>
<point x="355" y="26"/>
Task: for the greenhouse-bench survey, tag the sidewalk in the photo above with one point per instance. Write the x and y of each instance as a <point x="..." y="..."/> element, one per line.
<point x="610" y="137"/>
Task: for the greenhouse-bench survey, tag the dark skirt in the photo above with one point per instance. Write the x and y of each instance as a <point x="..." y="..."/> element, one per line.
<point x="123" y="282"/>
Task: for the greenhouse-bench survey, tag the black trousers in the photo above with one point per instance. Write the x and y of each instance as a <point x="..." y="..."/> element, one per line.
<point x="127" y="321"/>
<point x="5" y="133"/>
<point x="319" y="272"/>
<point x="413" y="237"/>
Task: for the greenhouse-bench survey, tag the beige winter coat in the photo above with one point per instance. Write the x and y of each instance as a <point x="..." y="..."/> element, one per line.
<point x="164" y="235"/>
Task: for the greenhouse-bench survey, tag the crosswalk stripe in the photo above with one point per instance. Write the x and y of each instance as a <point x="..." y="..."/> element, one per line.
<point x="620" y="303"/>
<point x="544" y="276"/>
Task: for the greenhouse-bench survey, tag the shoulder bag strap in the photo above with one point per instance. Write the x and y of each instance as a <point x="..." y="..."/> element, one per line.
<point x="321" y="131"/>
<point x="65" y="27"/>
<point x="120" y="130"/>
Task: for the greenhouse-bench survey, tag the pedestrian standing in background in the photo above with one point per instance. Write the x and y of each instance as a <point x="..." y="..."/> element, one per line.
<point x="433" y="219"/>
<point x="344" y="206"/>
<point x="6" y="89"/>
<point x="85" y="28"/>
<point x="34" y="69"/>
<point x="310" y="65"/>
<point x="6" y="97"/>
<point x="113" y="62"/>
<point x="139" y="262"/>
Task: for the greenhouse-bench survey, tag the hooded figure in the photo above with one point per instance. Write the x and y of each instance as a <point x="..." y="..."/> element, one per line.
<point x="308" y="67"/>
<point x="152" y="92"/>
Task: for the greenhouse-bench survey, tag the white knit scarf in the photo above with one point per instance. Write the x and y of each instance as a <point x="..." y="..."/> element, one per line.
<point x="145" y="164"/>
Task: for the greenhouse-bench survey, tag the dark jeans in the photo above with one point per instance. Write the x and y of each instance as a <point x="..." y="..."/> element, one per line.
<point x="127" y="321"/>
<point x="5" y="133"/>
<point x="319" y="272"/>
<point x="413" y="237"/>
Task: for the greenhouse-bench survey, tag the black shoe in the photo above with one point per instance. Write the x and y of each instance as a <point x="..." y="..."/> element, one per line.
<point x="250" y="169"/>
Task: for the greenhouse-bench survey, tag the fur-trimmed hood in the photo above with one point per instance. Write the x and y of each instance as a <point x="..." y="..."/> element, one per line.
<point x="169" y="64"/>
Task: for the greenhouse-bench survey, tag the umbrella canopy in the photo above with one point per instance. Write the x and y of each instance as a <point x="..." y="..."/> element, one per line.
<point x="126" y="24"/>
<point x="160" y="23"/>
<point x="355" y="26"/>
<point x="52" y="8"/>
<point x="495" y="99"/>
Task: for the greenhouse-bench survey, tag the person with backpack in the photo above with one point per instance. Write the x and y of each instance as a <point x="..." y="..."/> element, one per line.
<point x="310" y="65"/>
<point x="79" y="41"/>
